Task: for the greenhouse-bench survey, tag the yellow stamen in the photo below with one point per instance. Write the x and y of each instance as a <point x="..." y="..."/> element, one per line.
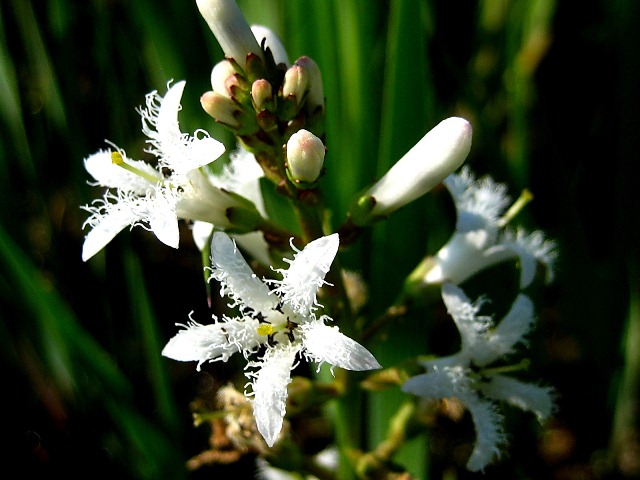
<point x="525" y="197"/>
<point x="116" y="159"/>
<point x="265" y="329"/>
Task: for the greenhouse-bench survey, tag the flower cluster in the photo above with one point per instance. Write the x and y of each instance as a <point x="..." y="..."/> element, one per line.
<point x="276" y="111"/>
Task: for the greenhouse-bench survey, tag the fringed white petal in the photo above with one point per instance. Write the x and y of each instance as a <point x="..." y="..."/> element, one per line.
<point x="531" y="249"/>
<point x="174" y="149"/>
<point x="270" y="391"/>
<point x="326" y="344"/>
<point x="526" y="396"/>
<point x="237" y="279"/>
<point x="162" y="217"/>
<point x="489" y="434"/>
<point x="109" y="216"/>
<point x="306" y="274"/>
<point x="471" y="326"/>
<point x="507" y="334"/>
<point x="215" y="342"/>
<point x="479" y="203"/>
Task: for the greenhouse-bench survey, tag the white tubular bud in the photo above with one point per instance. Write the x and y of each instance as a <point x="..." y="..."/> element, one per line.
<point x="441" y="151"/>
<point x="272" y="42"/>
<point x="230" y="29"/>
<point x="305" y="157"/>
<point x="315" y="97"/>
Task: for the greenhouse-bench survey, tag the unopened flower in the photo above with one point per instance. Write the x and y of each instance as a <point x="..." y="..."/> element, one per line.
<point x="466" y="375"/>
<point x="296" y="83"/>
<point x="280" y="323"/>
<point x="481" y="239"/>
<point x="441" y="151"/>
<point x="230" y="29"/>
<point x="305" y="157"/>
<point x="315" y="93"/>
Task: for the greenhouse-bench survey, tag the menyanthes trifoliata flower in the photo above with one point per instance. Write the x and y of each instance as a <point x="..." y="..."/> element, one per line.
<point x="466" y="375"/>
<point x="156" y="197"/>
<point x="151" y="196"/>
<point x="481" y="239"/>
<point x="440" y="152"/>
<point x="276" y="326"/>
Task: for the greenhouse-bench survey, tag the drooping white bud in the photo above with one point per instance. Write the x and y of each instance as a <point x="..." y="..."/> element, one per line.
<point x="305" y="157"/>
<point x="441" y="151"/>
<point x="230" y="29"/>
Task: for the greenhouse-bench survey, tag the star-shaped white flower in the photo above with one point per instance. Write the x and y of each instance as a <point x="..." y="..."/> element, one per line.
<point x="480" y="239"/>
<point x="279" y="323"/>
<point x="464" y="375"/>
<point x="156" y="197"/>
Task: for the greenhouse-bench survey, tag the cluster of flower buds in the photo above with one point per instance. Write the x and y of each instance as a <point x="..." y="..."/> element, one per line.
<point x="263" y="99"/>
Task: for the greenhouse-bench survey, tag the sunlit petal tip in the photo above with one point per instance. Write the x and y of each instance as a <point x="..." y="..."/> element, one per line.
<point x="325" y="343"/>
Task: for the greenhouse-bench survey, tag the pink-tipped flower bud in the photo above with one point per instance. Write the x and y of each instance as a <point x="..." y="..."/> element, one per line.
<point x="305" y="157"/>
<point x="230" y="29"/>
<point x="296" y="83"/>
<point x="262" y="94"/>
<point x="315" y="95"/>
<point x="221" y="108"/>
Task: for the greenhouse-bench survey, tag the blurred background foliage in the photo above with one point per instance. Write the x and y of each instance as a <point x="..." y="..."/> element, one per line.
<point x="551" y="88"/>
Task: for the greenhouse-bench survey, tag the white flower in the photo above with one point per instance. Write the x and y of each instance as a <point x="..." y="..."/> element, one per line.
<point x="464" y="376"/>
<point x="280" y="323"/>
<point x="155" y="197"/>
<point x="480" y="239"/>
